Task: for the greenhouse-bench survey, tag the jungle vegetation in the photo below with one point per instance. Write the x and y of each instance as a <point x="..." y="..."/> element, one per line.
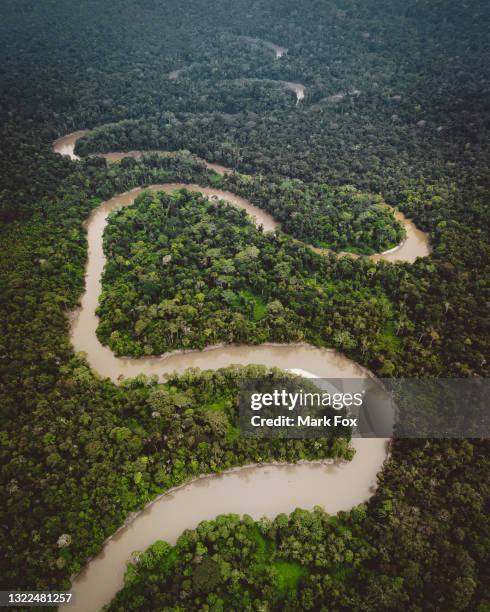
<point x="366" y="559"/>
<point x="186" y="272"/>
<point x="396" y="106"/>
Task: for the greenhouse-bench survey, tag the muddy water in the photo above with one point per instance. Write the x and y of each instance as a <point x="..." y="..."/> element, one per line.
<point x="255" y="490"/>
<point x="416" y="244"/>
<point x="66" y="146"/>
<point x="298" y="89"/>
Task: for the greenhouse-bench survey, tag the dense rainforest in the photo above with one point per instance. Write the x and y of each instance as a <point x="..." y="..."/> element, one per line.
<point x="187" y="272"/>
<point x="342" y="219"/>
<point x="313" y="561"/>
<point x="396" y="111"/>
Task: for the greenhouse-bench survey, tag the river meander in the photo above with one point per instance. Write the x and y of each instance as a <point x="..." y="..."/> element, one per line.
<point x="416" y="243"/>
<point x="255" y="490"/>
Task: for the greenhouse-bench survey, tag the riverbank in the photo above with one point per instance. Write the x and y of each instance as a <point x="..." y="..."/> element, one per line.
<point x="258" y="490"/>
<point x="255" y="490"/>
<point x="416" y="243"/>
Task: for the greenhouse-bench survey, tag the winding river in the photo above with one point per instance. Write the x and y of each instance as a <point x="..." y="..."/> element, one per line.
<point x="298" y="89"/>
<point x="416" y="243"/>
<point x="279" y="52"/>
<point x="255" y="490"/>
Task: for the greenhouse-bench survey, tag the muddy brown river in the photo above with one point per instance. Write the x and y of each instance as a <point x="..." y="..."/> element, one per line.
<point x="255" y="490"/>
<point x="416" y="243"/>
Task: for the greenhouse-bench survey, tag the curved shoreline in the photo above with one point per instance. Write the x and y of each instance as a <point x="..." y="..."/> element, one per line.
<point x="65" y="145"/>
<point x="298" y="88"/>
<point x="416" y="244"/>
<point x="255" y="490"/>
<point x="244" y="490"/>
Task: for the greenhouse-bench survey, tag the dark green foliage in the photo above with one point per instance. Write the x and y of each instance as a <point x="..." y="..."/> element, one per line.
<point x="186" y="272"/>
<point x="410" y="547"/>
<point x="342" y="219"/>
<point x="79" y="453"/>
<point x="234" y="563"/>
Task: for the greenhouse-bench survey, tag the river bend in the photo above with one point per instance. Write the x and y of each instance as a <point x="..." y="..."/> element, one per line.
<point x="255" y="490"/>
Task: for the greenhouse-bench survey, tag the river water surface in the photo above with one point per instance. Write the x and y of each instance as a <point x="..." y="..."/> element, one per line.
<point x="416" y="243"/>
<point x="278" y="50"/>
<point x="255" y="490"/>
